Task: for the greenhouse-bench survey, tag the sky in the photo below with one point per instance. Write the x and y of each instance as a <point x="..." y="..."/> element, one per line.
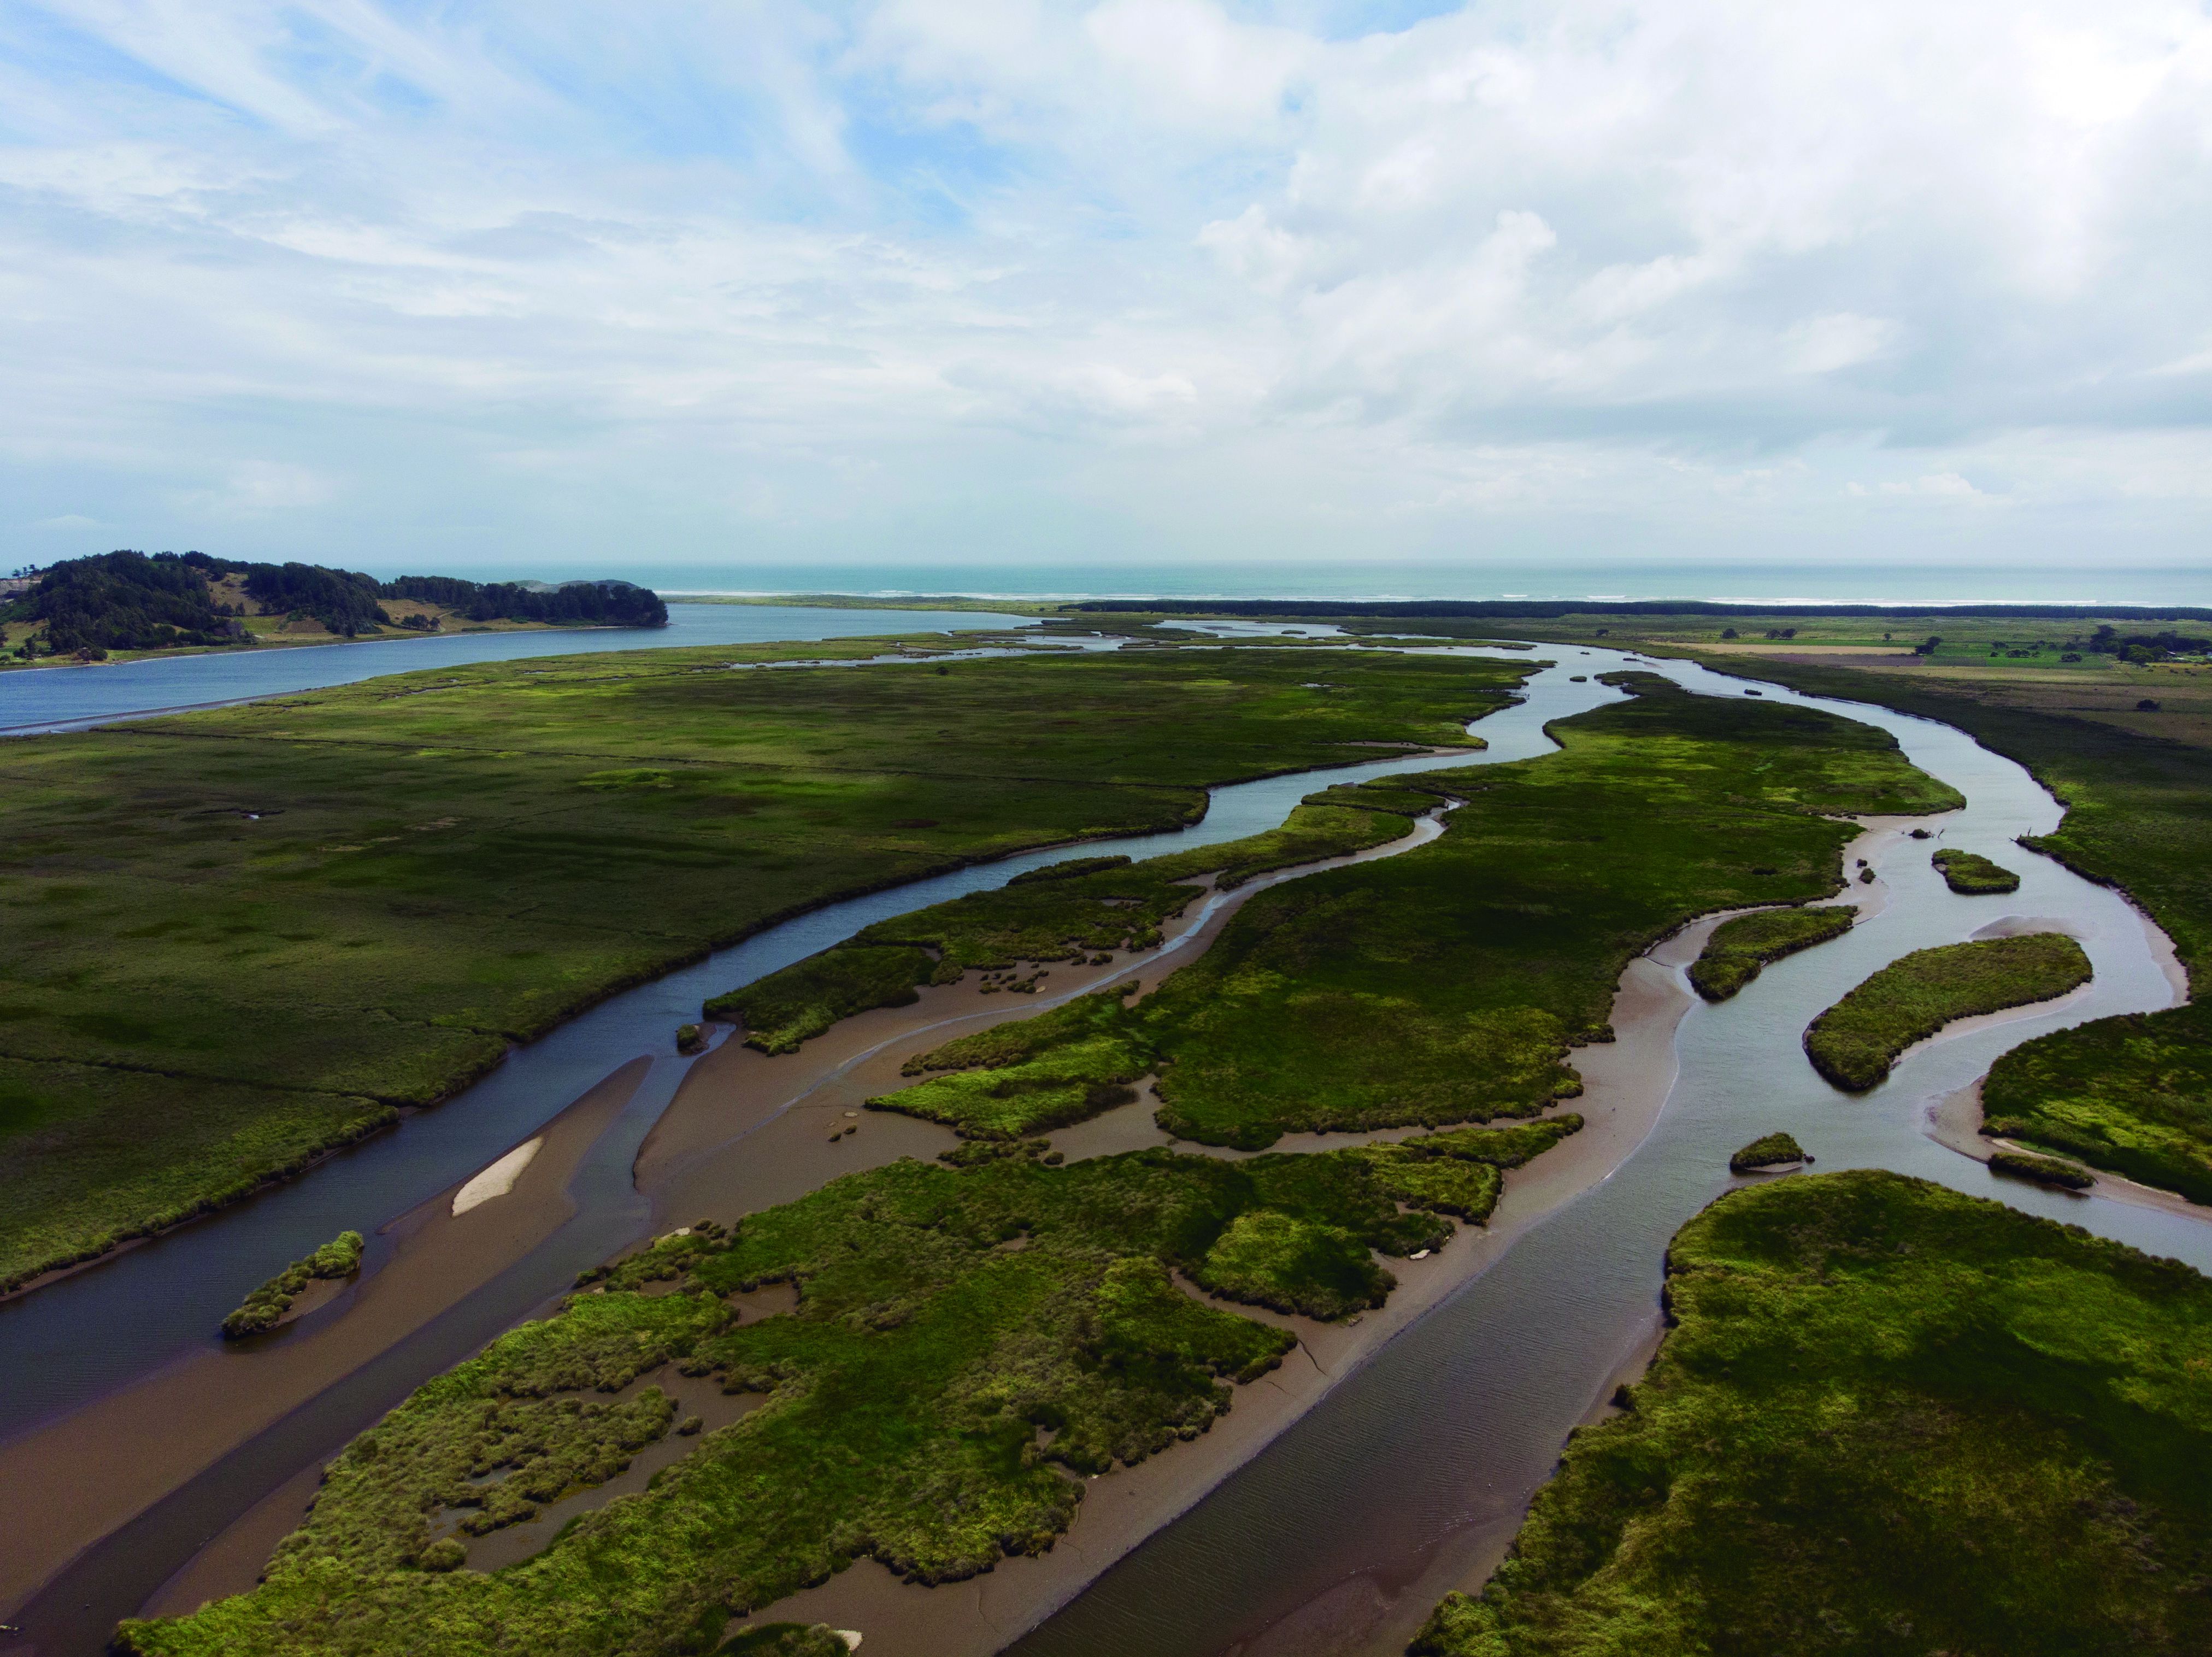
<point x="1166" y="284"/>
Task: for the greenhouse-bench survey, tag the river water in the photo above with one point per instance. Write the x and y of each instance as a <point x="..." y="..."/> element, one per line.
<point x="1333" y="1540"/>
<point x="1336" y="1540"/>
<point x="40" y="699"/>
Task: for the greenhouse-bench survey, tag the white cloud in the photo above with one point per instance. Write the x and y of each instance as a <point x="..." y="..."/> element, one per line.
<point x="320" y="272"/>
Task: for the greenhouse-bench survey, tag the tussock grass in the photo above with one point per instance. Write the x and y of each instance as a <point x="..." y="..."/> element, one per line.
<point x="1737" y="950"/>
<point x="1854" y="1043"/>
<point x="1887" y="1418"/>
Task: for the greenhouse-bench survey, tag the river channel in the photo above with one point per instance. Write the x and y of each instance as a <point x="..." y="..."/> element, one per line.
<point x="1410" y="1478"/>
<point x="1406" y="1480"/>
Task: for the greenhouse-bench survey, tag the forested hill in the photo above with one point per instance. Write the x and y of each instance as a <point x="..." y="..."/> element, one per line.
<point x="128" y="602"/>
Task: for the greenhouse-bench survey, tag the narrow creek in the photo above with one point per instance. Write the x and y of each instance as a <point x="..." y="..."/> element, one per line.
<point x="1411" y="1477"/>
<point x="1405" y="1481"/>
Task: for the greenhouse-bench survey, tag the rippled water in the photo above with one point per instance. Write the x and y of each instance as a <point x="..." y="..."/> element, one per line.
<point x="1337" y="1537"/>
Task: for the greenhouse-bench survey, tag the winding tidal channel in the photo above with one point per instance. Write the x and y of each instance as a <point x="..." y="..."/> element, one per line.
<point x="1406" y="1479"/>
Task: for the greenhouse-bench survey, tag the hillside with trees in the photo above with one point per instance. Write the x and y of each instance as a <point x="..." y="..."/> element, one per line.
<point x="127" y="601"/>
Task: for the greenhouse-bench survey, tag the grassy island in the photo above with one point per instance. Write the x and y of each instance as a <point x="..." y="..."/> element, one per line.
<point x="1854" y="1042"/>
<point x="1887" y="1418"/>
<point x="267" y="1305"/>
<point x="1773" y="1150"/>
<point x="1972" y="875"/>
<point x="2132" y="1095"/>
<point x="233" y="941"/>
<point x="964" y="1340"/>
<point x="1737" y="950"/>
<point x="2044" y="1170"/>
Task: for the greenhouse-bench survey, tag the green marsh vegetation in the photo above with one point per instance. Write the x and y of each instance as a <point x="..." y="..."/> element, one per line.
<point x="233" y="941"/>
<point x="1062" y="912"/>
<point x="1854" y="1043"/>
<point x="1887" y="1418"/>
<point x="1449" y="984"/>
<point x="1737" y="950"/>
<point x="964" y="1341"/>
<point x="1771" y="1151"/>
<point x="2131" y="1094"/>
<point x="260" y="1311"/>
<point x="2044" y="1170"/>
<point x="1971" y="874"/>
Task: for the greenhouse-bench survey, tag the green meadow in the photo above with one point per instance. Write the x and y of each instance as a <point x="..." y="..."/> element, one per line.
<point x="1887" y="1418"/>
<point x="231" y="941"/>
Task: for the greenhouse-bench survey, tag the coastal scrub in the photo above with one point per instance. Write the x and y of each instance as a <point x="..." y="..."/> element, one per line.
<point x="1887" y="1418"/>
<point x="1854" y="1042"/>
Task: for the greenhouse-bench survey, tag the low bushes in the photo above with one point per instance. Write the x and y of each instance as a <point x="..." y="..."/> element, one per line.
<point x="262" y="1309"/>
<point x="1973" y="875"/>
<point x="1737" y="950"/>
<point x="1854" y="1043"/>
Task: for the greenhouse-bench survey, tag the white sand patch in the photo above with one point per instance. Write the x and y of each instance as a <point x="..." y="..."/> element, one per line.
<point x="499" y="1179"/>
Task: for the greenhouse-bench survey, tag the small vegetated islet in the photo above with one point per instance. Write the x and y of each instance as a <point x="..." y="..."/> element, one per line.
<point x="1739" y="948"/>
<point x="2044" y="1170"/>
<point x="1971" y="874"/>
<point x="263" y="1309"/>
<point x="1854" y="1042"/>
<point x="1886" y="1418"/>
<point x="1772" y="1150"/>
